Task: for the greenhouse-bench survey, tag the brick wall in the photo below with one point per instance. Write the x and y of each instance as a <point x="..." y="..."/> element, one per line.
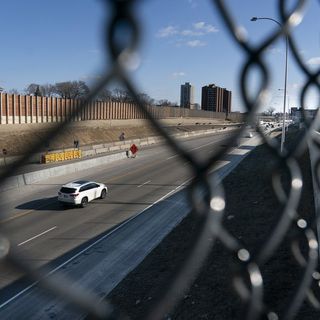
<point x="15" y="109"/>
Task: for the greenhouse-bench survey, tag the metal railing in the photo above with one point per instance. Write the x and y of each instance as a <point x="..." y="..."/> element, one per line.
<point x="210" y="207"/>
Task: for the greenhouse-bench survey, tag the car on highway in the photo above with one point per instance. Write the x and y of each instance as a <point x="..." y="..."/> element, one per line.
<point x="81" y="192"/>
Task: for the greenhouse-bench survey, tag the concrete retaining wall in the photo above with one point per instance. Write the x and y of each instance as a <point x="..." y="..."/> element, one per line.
<point x="96" y="150"/>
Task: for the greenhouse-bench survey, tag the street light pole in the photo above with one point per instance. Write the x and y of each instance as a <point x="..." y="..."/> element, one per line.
<point x="287" y="109"/>
<point x="285" y="79"/>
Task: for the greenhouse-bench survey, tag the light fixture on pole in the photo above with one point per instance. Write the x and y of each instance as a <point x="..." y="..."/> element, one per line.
<point x="285" y="78"/>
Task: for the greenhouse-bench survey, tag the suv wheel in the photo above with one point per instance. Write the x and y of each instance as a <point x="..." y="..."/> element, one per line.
<point x="84" y="202"/>
<point x="103" y="194"/>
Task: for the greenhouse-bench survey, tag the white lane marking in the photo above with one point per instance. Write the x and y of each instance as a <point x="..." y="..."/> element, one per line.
<point x="204" y="145"/>
<point x="37" y="236"/>
<point x="90" y="246"/>
<point x="141" y="185"/>
<point x="184" y="184"/>
<point x="172" y="157"/>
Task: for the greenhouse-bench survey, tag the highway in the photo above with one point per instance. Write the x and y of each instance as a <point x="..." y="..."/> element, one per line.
<point x="41" y="230"/>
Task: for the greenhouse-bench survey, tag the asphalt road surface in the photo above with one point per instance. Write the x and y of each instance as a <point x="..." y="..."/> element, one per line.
<point x="41" y="230"/>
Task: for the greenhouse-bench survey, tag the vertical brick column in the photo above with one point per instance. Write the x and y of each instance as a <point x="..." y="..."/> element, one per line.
<point x="9" y="108"/>
<point x="36" y="109"/>
<point x="104" y="105"/>
<point x="19" y="109"/>
<point x="58" y="109"/>
<point x="25" y="99"/>
<point x="1" y="107"/>
<point x="28" y="108"/>
<point x="13" y="99"/>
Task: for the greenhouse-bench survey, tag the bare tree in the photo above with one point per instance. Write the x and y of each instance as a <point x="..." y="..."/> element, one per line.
<point x="165" y="103"/>
<point x="146" y="99"/>
<point x="38" y="92"/>
<point x="72" y="89"/>
<point x="13" y="91"/>
<point x="31" y="89"/>
<point x="269" y="111"/>
<point x="121" y="95"/>
<point x="104" y="95"/>
<point x="48" y="90"/>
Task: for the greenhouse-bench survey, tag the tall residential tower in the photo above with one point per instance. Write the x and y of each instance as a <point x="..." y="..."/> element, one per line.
<point x="186" y="96"/>
<point x="216" y="99"/>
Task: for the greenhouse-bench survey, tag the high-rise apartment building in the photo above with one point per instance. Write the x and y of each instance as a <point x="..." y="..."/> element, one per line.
<point x="186" y="95"/>
<point x="226" y="106"/>
<point x="214" y="98"/>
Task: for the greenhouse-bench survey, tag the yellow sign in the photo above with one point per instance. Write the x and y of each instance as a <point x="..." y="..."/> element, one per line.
<point x="61" y="156"/>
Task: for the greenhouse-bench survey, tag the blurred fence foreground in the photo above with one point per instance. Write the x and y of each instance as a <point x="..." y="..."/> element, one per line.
<point x="206" y="193"/>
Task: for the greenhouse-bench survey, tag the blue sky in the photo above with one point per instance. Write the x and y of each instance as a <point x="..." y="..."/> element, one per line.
<point x="181" y="41"/>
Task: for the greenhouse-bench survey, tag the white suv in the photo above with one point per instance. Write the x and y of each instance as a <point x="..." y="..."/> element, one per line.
<point x="81" y="192"/>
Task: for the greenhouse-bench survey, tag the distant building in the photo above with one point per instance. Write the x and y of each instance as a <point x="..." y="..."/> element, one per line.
<point x="226" y="104"/>
<point x="186" y="96"/>
<point x="195" y="106"/>
<point x="214" y="98"/>
<point x="297" y="114"/>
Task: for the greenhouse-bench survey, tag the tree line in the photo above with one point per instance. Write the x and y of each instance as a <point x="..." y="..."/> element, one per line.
<point x="79" y="90"/>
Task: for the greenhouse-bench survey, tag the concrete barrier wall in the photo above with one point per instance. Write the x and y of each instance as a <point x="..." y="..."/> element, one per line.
<point x="98" y="149"/>
<point x="83" y="164"/>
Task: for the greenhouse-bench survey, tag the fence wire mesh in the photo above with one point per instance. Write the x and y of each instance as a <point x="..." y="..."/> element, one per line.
<point x="206" y="192"/>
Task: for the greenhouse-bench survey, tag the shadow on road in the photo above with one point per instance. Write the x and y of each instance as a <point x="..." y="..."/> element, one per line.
<point x="42" y="204"/>
<point x="125" y="203"/>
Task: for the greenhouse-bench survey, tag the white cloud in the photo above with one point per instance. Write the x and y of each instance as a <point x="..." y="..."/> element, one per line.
<point x="207" y="28"/>
<point x="167" y="32"/>
<point x="196" y="43"/>
<point x="198" y="29"/>
<point x="191" y="33"/>
<point x="178" y="74"/>
<point x="314" y="61"/>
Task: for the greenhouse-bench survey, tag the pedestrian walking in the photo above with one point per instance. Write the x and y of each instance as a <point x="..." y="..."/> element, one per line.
<point x="122" y="137"/>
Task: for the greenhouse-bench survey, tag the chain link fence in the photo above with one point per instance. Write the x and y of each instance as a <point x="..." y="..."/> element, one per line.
<point x="206" y="193"/>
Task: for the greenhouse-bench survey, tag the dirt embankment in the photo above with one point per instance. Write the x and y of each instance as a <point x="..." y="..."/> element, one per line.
<point x="252" y="212"/>
<point x="18" y="138"/>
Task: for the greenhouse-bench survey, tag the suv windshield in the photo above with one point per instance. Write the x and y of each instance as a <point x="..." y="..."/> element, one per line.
<point x="67" y="190"/>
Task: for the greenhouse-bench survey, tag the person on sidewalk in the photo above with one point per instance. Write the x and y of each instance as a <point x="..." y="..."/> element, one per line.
<point x="122" y="136"/>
